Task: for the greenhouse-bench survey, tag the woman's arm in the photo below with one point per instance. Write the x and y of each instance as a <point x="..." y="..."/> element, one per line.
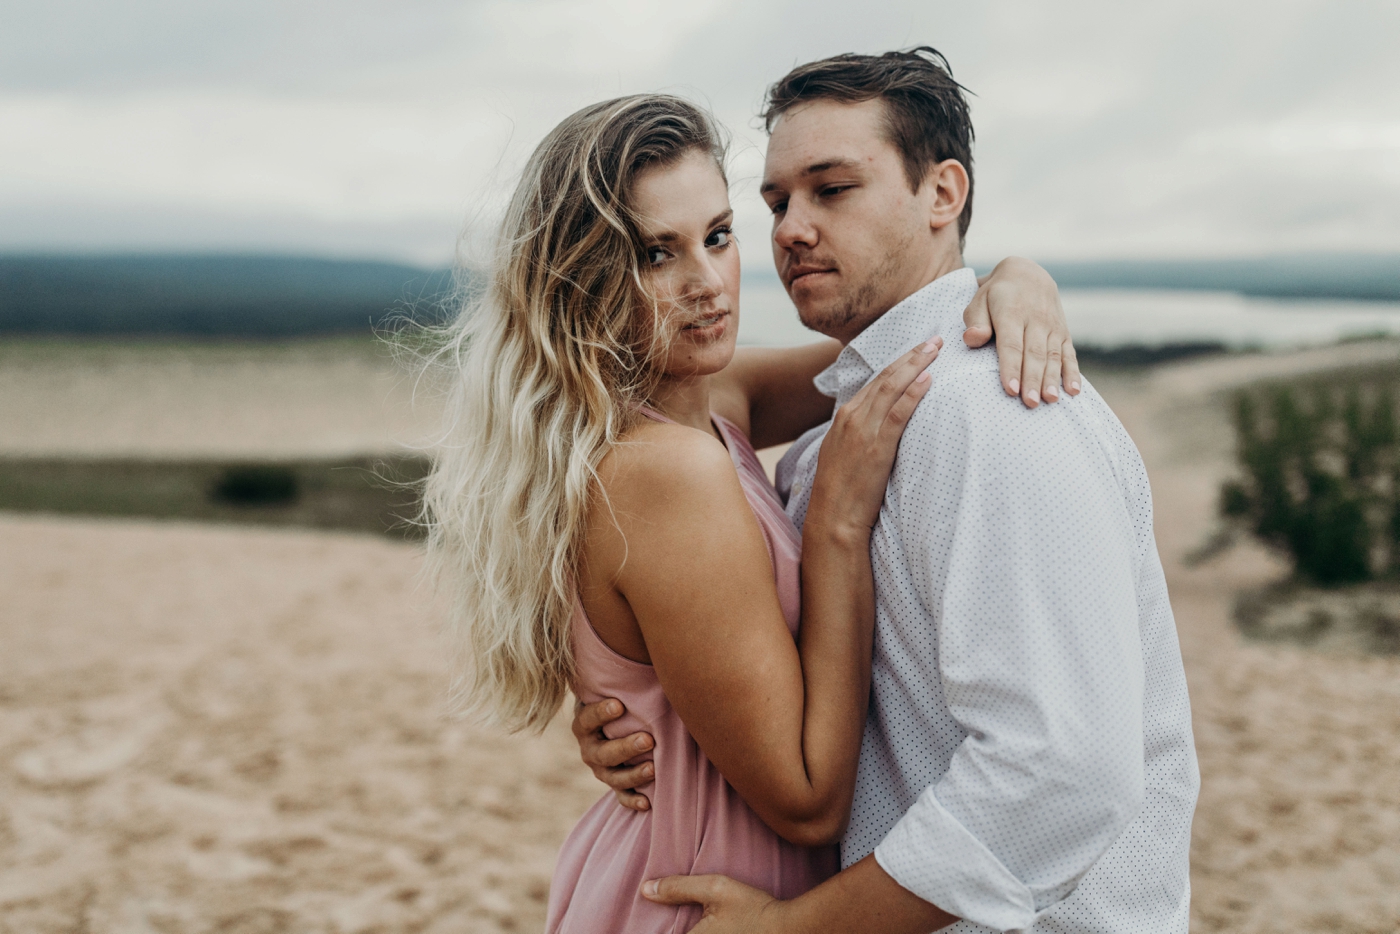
<point x="1021" y="303"/>
<point x="770" y="394"/>
<point x="781" y="720"/>
<point x="769" y="391"/>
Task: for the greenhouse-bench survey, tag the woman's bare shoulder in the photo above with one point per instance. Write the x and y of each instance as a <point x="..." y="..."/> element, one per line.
<point x="663" y="463"/>
<point x="662" y="490"/>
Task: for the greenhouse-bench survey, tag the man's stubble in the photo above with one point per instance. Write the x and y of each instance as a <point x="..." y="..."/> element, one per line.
<point x="866" y="302"/>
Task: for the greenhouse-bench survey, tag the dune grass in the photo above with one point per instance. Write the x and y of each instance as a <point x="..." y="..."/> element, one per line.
<point x="1319" y="481"/>
<point x="361" y="495"/>
<point x="1320" y="473"/>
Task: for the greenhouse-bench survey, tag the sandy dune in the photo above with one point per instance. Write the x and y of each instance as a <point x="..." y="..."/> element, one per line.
<point x="222" y="729"/>
<point x="332" y="397"/>
<point x="1298" y="827"/>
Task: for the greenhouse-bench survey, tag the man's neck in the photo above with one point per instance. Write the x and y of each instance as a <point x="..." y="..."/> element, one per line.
<point x="940" y="264"/>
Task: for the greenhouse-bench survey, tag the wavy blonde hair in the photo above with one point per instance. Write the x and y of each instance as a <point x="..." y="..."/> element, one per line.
<point x="546" y="367"/>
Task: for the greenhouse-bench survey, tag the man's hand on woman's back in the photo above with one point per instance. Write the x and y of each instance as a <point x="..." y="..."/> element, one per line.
<point x="608" y="757"/>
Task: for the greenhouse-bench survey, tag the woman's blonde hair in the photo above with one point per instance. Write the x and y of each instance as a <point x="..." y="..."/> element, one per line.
<point x="546" y="370"/>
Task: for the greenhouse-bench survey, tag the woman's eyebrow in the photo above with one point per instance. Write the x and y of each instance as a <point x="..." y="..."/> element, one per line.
<point x="721" y="218"/>
<point x="670" y="236"/>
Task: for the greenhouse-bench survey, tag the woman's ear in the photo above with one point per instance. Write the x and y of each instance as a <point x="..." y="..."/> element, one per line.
<point x="948" y="185"/>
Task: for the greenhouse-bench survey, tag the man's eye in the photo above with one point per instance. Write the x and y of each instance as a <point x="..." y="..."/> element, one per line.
<point x="656" y="255"/>
<point x="720" y="238"/>
<point x="778" y="207"/>
<point x="835" y="189"/>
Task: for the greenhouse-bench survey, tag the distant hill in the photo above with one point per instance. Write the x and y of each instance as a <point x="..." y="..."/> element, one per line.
<point x="1362" y="276"/>
<point x="280" y="296"/>
<point x="209" y="295"/>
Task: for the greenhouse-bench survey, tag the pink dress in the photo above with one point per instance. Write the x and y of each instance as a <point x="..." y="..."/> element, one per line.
<point x="697" y="822"/>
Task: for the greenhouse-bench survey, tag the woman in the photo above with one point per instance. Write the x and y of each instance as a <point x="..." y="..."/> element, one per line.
<point x="606" y="527"/>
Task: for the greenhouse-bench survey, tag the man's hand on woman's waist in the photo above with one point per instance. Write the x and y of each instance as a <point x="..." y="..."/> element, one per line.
<point x="608" y="758"/>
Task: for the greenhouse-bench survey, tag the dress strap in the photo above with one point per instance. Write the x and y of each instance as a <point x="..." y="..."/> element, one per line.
<point x="715" y="419"/>
<point x="654" y="415"/>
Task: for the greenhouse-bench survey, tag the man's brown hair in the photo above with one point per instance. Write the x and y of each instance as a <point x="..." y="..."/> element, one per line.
<point x="925" y="110"/>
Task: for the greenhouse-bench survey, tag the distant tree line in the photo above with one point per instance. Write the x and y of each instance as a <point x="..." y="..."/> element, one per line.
<point x="1139" y="355"/>
<point x="1359" y="276"/>
<point x="247" y="296"/>
<point x="276" y="296"/>
<point x="1320" y="474"/>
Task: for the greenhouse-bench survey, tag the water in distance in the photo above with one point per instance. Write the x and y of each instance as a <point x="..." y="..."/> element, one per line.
<point x="1150" y="317"/>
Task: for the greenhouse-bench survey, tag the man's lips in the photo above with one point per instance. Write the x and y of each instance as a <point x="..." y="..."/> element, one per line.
<point x="800" y="272"/>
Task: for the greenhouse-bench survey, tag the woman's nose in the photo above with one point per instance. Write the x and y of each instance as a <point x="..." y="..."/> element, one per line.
<point x="705" y="280"/>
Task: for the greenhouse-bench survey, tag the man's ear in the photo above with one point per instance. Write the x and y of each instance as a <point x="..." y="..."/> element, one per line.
<point x="947" y="185"/>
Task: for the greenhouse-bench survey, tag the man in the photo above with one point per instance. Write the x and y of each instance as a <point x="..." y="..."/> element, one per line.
<point x="1028" y="760"/>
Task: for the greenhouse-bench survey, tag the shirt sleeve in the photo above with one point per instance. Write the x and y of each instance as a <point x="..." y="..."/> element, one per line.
<point x="1039" y="656"/>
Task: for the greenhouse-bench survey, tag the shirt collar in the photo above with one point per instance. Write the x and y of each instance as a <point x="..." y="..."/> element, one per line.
<point x="917" y="318"/>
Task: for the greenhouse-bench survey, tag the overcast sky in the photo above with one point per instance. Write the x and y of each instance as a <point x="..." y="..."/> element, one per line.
<point x="379" y="129"/>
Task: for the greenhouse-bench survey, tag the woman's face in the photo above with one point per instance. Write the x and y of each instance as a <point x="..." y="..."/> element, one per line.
<point x="692" y="261"/>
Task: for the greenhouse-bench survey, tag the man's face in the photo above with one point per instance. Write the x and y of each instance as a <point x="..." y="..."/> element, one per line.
<point x="850" y="239"/>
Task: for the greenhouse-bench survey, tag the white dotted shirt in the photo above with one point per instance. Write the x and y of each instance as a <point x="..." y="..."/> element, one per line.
<point x="1028" y="760"/>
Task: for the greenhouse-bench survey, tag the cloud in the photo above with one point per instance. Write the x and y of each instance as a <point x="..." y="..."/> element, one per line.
<point x="337" y="158"/>
<point x="1104" y="128"/>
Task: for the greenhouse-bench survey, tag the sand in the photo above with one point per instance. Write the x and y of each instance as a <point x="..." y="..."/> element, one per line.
<point x="300" y="399"/>
<point x="208" y="728"/>
<point x="1298" y="825"/>
<point x="223" y="729"/>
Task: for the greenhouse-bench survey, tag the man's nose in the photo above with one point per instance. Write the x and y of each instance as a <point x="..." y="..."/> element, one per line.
<point x="795" y="229"/>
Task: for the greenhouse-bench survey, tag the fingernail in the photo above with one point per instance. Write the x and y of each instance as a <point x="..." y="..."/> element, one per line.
<point x="1032" y="395"/>
<point x="612" y="709"/>
<point x="1015" y="387"/>
<point x="649" y="887"/>
<point x="931" y="345"/>
<point x="641" y="743"/>
<point x="1073" y="387"/>
<point x="923" y="377"/>
<point x="644" y="805"/>
<point x="647" y="770"/>
<point x="1052" y="393"/>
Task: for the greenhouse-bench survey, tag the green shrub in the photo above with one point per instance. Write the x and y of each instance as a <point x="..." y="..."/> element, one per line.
<point x="256" y="485"/>
<point x="1320" y="475"/>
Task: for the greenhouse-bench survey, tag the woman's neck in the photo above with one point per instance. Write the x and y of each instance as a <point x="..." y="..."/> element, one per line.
<point x="686" y="401"/>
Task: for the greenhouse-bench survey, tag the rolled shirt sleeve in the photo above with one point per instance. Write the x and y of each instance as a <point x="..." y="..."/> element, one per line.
<point x="1030" y="576"/>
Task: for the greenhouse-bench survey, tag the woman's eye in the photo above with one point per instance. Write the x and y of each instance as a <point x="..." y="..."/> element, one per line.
<point x="720" y="238"/>
<point x="778" y="207"/>
<point x="656" y="255"/>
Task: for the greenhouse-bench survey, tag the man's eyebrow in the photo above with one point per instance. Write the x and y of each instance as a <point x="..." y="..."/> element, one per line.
<point x="828" y="165"/>
<point x="670" y="236"/>
<point x="816" y="168"/>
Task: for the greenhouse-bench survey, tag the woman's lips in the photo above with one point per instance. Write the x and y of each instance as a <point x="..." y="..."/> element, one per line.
<point x="708" y="323"/>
